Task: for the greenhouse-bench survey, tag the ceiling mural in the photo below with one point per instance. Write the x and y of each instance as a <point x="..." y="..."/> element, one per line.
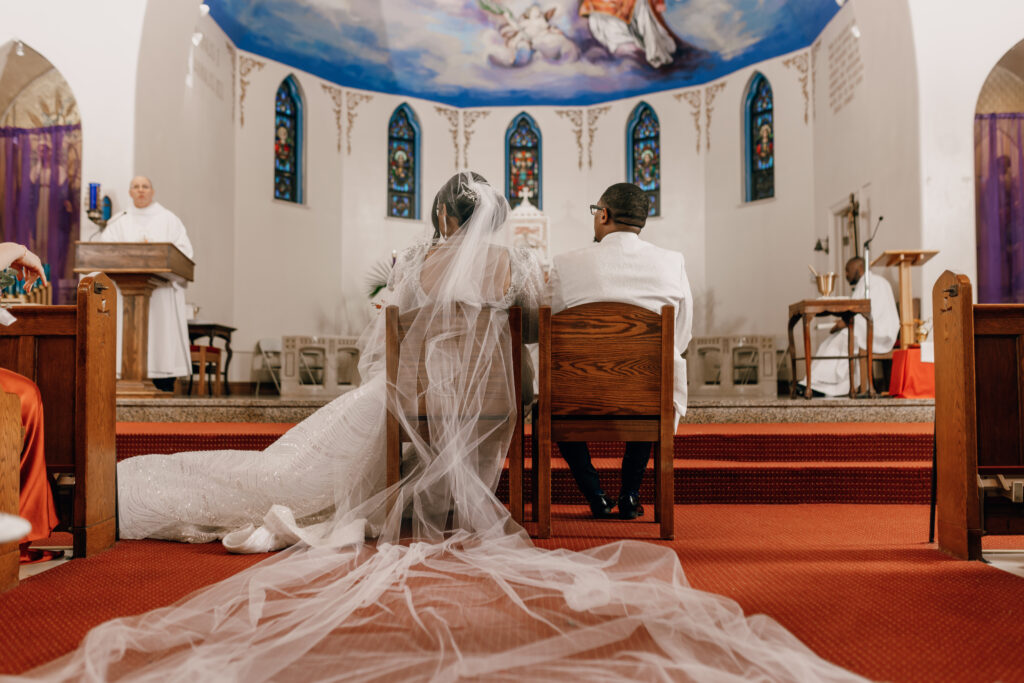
<point x="471" y="53"/>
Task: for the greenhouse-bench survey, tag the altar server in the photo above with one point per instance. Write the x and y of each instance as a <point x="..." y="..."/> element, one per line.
<point x="831" y="377"/>
<point x="147" y="221"/>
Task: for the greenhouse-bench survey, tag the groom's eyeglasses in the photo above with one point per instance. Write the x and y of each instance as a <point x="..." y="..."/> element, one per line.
<point x="594" y="208"/>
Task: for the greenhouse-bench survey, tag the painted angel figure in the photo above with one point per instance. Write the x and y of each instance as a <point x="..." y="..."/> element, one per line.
<point x="631" y="27"/>
<point x="529" y="33"/>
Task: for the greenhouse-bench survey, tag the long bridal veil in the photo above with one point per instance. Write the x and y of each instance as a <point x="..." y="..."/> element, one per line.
<point x="470" y="596"/>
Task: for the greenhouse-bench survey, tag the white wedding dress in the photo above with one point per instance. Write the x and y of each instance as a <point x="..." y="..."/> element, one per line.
<point x="471" y="597"/>
<point x="258" y="501"/>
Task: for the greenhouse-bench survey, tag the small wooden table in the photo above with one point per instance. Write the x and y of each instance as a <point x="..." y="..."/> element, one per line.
<point x="198" y="329"/>
<point x="807" y="310"/>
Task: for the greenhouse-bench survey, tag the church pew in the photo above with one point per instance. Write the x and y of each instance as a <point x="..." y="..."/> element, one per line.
<point x="10" y="457"/>
<point x="979" y="417"/>
<point x="68" y="351"/>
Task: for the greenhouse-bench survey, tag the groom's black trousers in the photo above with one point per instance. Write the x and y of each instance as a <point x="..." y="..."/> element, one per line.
<point x="634" y="462"/>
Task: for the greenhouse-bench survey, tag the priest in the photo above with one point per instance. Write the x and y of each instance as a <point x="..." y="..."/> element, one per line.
<point x="147" y="221"/>
<point x="831" y="376"/>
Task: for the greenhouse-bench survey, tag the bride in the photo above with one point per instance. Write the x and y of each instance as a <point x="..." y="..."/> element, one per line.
<point x="477" y="600"/>
<point x="333" y="462"/>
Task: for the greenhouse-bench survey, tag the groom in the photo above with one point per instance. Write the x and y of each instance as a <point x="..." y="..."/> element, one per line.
<point x="621" y="267"/>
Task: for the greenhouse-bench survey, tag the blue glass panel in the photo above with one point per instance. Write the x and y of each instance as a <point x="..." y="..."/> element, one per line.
<point x="644" y="149"/>
<point x="287" y="137"/>
<point x="523" y="160"/>
<point x="761" y="141"/>
<point x="403" y="152"/>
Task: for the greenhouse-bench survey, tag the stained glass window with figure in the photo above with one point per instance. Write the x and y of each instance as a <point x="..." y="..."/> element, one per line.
<point x="288" y="142"/>
<point x="403" y="164"/>
<point x="760" y="132"/>
<point x="643" y="140"/>
<point x="522" y="161"/>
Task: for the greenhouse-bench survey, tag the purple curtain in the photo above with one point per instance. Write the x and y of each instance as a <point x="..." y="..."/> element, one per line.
<point x="999" y="168"/>
<point x="40" y="183"/>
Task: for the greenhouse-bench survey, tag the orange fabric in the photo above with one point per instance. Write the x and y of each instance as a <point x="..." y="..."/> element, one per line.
<point x="622" y="9"/>
<point x="35" y="500"/>
<point x="910" y="377"/>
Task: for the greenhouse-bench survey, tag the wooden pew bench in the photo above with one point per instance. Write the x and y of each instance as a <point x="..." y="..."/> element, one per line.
<point x="979" y="417"/>
<point x="68" y="351"/>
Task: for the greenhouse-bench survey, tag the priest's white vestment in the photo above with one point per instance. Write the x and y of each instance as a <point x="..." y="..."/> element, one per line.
<point x="832" y="376"/>
<point x="624" y="268"/>
<point x="168" y="317"/>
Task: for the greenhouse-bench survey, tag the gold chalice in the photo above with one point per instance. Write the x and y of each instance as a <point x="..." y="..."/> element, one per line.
<point x="826" y="283"/>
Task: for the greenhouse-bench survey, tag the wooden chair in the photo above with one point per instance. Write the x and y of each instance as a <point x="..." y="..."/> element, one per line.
<point x="495" y="397"/>
<point x="606" y="373"/>
<point x="68" y="351"/>
<point x="10" y="477"/>
<point x="979" y="417"/>
<point x="205" y="360"/>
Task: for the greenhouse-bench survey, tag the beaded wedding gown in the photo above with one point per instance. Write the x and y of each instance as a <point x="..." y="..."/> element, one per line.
<point x="470" y="597"/>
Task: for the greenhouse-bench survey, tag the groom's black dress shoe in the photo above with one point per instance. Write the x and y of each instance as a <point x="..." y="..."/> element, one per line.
<point x="630" y="507"/>
<point x="601" y="506"/>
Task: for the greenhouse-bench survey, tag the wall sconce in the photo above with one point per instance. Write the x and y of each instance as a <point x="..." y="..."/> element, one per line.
<point x="99" y="209"/>
<point x="820" y="246"/>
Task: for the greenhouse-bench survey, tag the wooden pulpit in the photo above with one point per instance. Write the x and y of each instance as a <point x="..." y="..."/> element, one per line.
<point x="905" y="259"/>
<point x="138" y="268"/>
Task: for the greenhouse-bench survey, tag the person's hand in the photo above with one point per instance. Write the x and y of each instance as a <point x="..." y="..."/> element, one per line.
<point x="839" y="326"/>
<point x="29" y="268"/>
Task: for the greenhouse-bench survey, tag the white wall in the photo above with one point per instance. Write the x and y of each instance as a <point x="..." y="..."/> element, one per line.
<point x="95" y="46"/>
<point x="756" y="250"/>
<point x="868" y="146"/>
<point x="184" y="141"/>
<point x="957" y="44"/>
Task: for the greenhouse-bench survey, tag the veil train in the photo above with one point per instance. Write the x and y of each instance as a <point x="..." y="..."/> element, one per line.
<point x="476" y="601"/>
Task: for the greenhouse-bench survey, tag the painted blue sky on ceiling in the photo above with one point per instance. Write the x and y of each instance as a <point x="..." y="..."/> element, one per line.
<point x="471" y="53"/>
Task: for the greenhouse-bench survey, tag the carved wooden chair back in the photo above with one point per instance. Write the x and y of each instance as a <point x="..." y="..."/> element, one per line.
<point x="447" y="337"/>
<point x="606" y="373"/>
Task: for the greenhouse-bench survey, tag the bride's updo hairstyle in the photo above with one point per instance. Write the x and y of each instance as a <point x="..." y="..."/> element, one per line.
<point x="459" y="200"/>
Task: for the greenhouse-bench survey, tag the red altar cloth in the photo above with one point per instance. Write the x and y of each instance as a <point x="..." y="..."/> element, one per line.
<point x="910" y="377"/>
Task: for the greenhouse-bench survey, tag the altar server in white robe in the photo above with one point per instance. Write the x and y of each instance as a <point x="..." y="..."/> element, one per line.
<point x="831" y="377"/>
<point x="622" y="267"/>
<point x="147" y="221"/>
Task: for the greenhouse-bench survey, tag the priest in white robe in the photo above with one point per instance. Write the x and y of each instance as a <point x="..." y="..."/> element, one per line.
<point x="831" y="377"/>
<point x="147" y="221"/>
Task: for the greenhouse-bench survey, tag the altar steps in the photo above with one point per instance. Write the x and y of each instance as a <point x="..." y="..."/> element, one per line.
<point x="864" y="462"/>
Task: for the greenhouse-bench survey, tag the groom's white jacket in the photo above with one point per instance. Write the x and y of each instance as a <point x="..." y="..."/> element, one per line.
<point x="624" y="268"/>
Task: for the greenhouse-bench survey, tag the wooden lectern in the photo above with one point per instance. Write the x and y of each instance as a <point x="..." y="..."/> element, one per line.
<point x="137" y="268"/>
<point x="905" y="259"/>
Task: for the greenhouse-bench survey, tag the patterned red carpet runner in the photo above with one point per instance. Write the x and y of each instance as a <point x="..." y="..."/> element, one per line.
<point x="857" y="462"/>
<point x="856" y="583"/>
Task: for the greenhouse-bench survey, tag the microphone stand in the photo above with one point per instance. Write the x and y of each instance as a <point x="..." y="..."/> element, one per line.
<point x="867" y="259"/>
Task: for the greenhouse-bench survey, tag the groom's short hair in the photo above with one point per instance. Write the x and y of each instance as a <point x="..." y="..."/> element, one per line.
<point x="628" y="204"/>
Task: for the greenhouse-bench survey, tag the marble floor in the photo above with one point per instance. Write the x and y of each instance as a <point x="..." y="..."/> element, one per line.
<point x="1011" y="561"/>
<point x="700" y="411"/>
<point x="27" y="570"/>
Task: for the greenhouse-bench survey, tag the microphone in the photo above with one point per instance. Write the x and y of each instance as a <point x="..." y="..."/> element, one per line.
<point x="867" y="244"/>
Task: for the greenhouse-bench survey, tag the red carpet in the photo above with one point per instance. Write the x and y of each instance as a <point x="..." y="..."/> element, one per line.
<point x="857" y="584"/>
<point x="865" y="462"/>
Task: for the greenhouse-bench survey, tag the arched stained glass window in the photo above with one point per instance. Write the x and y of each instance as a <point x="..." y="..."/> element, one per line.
<point x="403" y="164"/>
<point x="760" y="139"/>
<point x="522" y="161"/>
<point x="288" y="142"/>
<point x="643" y="154"/>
